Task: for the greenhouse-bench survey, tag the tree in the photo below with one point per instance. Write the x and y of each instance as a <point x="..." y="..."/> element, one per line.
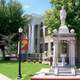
<point x="11" y="18"/>
<point x="73" y="16"/>
<point x="52" y="19"/>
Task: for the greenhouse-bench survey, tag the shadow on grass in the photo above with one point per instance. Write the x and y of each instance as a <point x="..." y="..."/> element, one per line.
<point x="8" y="61"/>
<point x="28" y="77"/>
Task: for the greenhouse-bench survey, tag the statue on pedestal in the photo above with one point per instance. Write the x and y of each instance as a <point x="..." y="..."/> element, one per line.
<point x="62" y="15"/>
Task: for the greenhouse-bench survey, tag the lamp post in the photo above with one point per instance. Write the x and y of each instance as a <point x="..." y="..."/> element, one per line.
<point x="20" y="30"/>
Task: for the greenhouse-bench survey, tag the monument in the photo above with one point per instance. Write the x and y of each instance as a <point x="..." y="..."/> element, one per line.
<point x="64" y="45"/>
<point x="61" y="37"/>
<point x="63" y="55"/>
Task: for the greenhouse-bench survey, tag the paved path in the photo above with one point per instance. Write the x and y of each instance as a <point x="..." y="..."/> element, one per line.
<point x="3" y="77"/>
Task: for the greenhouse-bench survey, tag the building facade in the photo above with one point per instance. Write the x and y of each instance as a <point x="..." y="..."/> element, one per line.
<point x="40" y="41"/>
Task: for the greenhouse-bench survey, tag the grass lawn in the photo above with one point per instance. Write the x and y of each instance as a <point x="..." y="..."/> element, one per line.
<point x="10" y="69"/>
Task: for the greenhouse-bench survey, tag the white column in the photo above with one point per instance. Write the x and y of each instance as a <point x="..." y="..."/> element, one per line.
<point x="55" y="52"/>
<point x="43" y="41"/>
<point x="69" y="53"/>
<point x="73" y="53"/>
<point x="49" y="47"/>
<point x="32" y="39"/>
<point x="29" y="35"/>
<point x="38" y="39"/>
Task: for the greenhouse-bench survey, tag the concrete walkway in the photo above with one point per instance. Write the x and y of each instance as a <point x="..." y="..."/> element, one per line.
<point x="3" y="77"/>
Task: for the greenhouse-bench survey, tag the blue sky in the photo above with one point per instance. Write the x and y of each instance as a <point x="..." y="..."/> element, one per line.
<point x="35" y="6"/>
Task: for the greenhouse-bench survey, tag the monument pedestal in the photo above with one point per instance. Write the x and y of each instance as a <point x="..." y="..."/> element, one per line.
<point x="58" y="74"/>
<point x="52" y="77"/>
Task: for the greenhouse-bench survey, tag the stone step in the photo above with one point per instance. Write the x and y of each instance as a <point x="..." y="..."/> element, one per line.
<point x="77" y="72"/>
<point x="64" y="73"/>
<point x="64" y="70"/>
<point x="61" y="70"/>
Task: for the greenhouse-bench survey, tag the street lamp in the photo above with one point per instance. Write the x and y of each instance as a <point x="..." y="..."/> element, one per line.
<point x="20" y="30"/>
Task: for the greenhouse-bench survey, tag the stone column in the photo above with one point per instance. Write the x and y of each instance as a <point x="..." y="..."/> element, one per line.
<point x="29" y="36"/>
<point x="55" y="53"/>
<point x="72" y="52"/>
<point x="49" y="47"/>
<point x="43" y="42"/>
<point x="38" y="39"/>
<point x="32" y="39"/>
<point x="69" y="53"/>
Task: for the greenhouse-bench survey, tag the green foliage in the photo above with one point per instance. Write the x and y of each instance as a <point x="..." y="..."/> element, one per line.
<point x="52" y="19"/>
<point x="73" y="14"/>
<point x="11" y="17"/>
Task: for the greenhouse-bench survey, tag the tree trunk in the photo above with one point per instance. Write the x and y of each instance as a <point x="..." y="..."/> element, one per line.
<point x="3" y="51"/>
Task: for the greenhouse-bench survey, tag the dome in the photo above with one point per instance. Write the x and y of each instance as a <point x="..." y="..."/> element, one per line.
<point x="63" y="29"/>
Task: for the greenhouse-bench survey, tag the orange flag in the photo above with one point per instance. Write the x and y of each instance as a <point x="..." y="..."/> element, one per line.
<point x="24" y="42"/>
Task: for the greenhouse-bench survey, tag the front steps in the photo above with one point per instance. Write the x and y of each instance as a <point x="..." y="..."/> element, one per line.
<point x="61" y="71"/>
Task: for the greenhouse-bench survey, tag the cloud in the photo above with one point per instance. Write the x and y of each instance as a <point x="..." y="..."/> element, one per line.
<point x="26" y="6"/>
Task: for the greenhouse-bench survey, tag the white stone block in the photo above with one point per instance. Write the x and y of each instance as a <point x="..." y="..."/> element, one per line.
<point x="73" y="71"/>
<point x="56" y="71"/>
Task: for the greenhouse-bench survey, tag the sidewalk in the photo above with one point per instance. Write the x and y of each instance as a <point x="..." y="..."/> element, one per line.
<point x="3" y="77"/>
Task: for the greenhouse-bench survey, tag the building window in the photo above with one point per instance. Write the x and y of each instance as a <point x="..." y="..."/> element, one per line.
<point x="41" y="48"/>
<point x="46" y="31"/>
<point x="41" y="32"/>
<point x="36" y="29"/>
<point x="46" y="54"/>
<point x="41" y="25"/>
<point x="35" y="44"/>
<point x="51" y="46"/>
<point x="46" y="46"/>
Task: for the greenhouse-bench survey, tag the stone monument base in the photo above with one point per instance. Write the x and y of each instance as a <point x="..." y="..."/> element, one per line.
<point x="52" y="77"/>
<point x="48" y="74"/>
<point x="63" y="71"/>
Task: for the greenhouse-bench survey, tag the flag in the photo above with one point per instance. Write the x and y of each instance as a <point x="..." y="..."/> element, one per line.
<point x="24" y="42"/>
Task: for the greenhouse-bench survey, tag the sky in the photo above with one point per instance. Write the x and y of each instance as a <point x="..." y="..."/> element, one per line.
<point x="35" y="6"/>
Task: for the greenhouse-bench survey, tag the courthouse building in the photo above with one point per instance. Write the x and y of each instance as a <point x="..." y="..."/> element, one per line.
<point x="40" y="41"/>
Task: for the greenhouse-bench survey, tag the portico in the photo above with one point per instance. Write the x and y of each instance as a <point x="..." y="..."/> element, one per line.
<point x="64" y="44"/>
